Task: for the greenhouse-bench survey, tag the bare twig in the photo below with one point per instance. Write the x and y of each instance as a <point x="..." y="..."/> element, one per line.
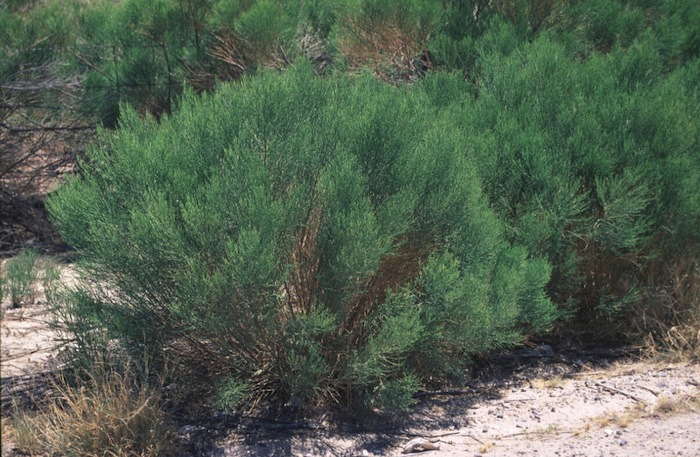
<point x="621" y="392"/>
<point x="452" y="392"/>
<point x="656" y="394"/>
<point x="474" y="438"/>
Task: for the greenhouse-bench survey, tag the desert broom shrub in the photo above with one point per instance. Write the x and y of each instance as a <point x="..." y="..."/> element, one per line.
<point x="319" y="239"/>
<point x="592" y="164"/>
<point x="140" y="52"/>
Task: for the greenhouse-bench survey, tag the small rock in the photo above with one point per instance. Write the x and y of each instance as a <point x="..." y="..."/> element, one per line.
<point x="499" y="416"/>
<point x="608" y="431"/>
<point x="521" y="424"/>
<point x="187" y="429"/>
<point x="623" y="442"/>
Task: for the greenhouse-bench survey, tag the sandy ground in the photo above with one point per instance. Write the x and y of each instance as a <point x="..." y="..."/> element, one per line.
<point x="549" y="405"/>
<point x="628" y="409"/>
<point x="27" y="341"/>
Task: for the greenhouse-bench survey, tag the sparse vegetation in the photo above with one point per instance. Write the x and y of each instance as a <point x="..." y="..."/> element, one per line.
<point x="671" y="321"/>
<point x="21" y="278"/>
<point x="51" y="282"/>
<point x="673" y="405"/>
<point x="619" y="419"/>
<point x="547" y="383"/>
<point x="109" y="412"/>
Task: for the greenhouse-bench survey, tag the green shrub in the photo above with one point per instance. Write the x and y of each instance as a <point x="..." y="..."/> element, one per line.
<point x="231" y="394"/>
<point x="21" y="278"/>
<point x="266" y="28"/>
<point x="51" y="280"/>
<point x="137" y="54"/>
<point x="592" y="165"/>
<point x="306" y="237"/>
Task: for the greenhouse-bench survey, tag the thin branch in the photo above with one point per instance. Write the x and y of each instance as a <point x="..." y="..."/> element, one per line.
<point x="621" y="392"/>
<point x="48" y="129"/>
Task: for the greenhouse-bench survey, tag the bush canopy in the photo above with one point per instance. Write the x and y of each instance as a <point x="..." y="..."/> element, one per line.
<point x="325" y="239"/>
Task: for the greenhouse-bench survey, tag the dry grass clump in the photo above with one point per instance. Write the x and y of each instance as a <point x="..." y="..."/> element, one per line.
<point x="677" y="344"/>
<point x="396" y="53"/>
<point x="622" y="419"/>
<point x="672" y="321"/>
<point x="112" y="413"/>
<point x="486" y="447"/>
<point x="547" y="383"/>
<point x="684" y="403"/>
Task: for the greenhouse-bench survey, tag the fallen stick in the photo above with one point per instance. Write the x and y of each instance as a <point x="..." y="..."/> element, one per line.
<point x="656" y="394"/>
<point x="23" y="354"/>
<point x="440" y="435"/>
<point x="621" y="392"/>
<point x="535" y="432"/>
<point x="435" y="393"/>
<point x="431" y="437"/>
<point x="474" y="438"/>
<point x="515" y="400"/>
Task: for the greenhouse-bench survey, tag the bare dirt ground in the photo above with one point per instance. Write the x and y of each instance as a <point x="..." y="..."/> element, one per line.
<point x="539" y="402"/>
<point x="630" y="408"/>
<point x="27" y="341"/>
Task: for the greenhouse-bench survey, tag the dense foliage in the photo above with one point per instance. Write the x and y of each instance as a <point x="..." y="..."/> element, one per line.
<point x="144" y="52"/>
<point x="307" y="237"/>
<point x="533" y="146"/>
<point x="594" y="165"/>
